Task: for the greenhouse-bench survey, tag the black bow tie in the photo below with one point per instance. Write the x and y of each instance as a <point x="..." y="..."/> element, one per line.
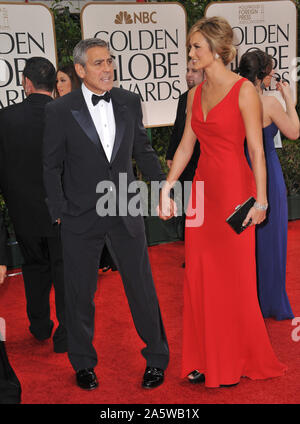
<point x="96" y="99"/>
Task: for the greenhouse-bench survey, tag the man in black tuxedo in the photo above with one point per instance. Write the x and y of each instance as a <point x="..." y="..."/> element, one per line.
<point x="193" y="77"/>
<point x="21" y="180"/>
<point x="10" y="388"/>
<point x="90" y="140"/>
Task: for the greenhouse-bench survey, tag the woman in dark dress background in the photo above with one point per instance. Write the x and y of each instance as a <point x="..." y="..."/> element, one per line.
<point x="271" y="235"/>
<point x="66" y="80"/>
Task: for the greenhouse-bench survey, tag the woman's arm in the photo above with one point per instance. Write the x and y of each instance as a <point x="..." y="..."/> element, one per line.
<point x="181" y="158"/>
<point x="251" y="109"/>
<point x="2" y="273"/>
<point x="186" y="146"/>
<point x="287" y="121"/>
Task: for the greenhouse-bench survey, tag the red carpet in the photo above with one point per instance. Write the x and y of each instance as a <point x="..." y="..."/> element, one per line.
<point x="47" y="378"/>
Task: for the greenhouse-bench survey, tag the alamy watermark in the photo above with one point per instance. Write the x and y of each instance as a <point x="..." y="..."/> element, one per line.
<point x="296" y="331"/>
<point x="136" y="198"/>
<point x="2" y="330"/>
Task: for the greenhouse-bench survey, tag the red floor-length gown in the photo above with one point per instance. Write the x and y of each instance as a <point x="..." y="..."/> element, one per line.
<point x="224" y="334"/>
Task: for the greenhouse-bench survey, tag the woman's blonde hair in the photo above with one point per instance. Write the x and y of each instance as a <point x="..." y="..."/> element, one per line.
<point x="219" y="35"/>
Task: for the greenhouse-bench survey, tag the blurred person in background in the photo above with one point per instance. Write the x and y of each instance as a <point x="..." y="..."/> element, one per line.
<point x="66" y="80"/>
<point x="271" y="235"/>
<point x="21" y="181"/>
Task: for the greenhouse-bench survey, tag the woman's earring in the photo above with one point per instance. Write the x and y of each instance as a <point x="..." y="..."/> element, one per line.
<point x="217" y="56"/>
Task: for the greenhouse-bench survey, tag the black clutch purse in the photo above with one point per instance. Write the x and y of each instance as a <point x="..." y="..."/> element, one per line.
<point x="236" y="219"/>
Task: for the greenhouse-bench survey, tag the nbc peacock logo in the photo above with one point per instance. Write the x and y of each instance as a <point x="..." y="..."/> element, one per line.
<point x="123" y="17"/>
<point x="142" y="17"/>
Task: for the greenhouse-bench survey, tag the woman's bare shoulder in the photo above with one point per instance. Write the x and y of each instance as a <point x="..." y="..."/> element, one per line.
<point x="191" y="93"/>
<point x="248" y="94"/>
<point x="247" y="87"/>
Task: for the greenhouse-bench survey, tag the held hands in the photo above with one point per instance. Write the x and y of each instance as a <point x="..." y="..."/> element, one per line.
<point x="2" y="273"/>
<point x="167" y="207"/>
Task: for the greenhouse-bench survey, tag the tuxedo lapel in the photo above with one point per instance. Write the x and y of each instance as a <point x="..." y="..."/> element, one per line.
<point x="82" y="115"/>
<point x="120" y="111"/>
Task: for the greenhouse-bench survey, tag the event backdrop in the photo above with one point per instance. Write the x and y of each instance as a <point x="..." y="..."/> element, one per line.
<point x="268" y="25"/>
<point x="148" y="42"/>
<point x="26" y="30"/>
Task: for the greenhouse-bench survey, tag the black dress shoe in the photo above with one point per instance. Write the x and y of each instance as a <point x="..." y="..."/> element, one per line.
<point x="153" y="377"/>
<point x="195" y="377"/>
<point x="87" y="379"/>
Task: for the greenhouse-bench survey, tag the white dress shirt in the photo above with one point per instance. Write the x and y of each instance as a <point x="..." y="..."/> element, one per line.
<point x="104" y="120"/>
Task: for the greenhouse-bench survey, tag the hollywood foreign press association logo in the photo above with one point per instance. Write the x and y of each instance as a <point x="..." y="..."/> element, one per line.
<point x="143" y="17"/>
<point x="251" y="13"/>
<point x="4" y="25"/>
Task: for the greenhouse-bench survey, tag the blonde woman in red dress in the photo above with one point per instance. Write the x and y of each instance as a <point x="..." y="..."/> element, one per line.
<point x="224" y="334"/>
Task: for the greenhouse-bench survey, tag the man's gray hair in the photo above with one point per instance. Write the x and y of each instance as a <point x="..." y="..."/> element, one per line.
<point x="79" y="52"/>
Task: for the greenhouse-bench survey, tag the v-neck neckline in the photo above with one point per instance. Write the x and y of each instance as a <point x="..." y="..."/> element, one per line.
<point x="217" y="104"/>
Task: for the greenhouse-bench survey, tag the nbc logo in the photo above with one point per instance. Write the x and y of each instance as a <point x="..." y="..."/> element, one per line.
<point x="123" y="17"/>
<point x="141" y="17"/>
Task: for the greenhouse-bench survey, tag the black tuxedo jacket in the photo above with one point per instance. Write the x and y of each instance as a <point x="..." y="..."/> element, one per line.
<point x="21" y="167"/>
<point x="176" y="137"/>
<point x="75" y="162"/>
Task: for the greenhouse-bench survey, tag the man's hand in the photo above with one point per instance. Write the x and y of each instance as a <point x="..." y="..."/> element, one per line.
<point x="169" y="163"/>
<point x="2" y="273"/>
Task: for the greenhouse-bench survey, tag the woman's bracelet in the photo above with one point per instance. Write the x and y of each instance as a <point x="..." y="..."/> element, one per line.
<point x="260" y="206"/>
